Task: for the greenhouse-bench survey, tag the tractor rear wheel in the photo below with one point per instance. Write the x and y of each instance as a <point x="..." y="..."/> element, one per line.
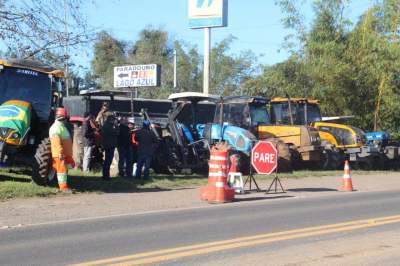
<point x="42" y="173"/>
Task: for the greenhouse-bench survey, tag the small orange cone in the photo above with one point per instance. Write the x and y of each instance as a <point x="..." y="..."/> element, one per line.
<point x="347" y="183"/>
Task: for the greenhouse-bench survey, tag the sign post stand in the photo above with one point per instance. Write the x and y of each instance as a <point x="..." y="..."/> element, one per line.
<point x="133" y="90"/>
<point x="276" y="181"/>
<point x="251" y="179"/>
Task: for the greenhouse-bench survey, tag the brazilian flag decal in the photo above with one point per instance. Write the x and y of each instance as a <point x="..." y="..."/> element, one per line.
<point x="15" y="115"/>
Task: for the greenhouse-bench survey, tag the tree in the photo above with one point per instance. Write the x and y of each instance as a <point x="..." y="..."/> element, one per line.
<point x="351" y="70"/>
<point x="30" y="27"/>
<point x="154" y="47"/>
<point x="228" y="71"/>
<point x="108" y="53"/>
<point x="189" y="67"/>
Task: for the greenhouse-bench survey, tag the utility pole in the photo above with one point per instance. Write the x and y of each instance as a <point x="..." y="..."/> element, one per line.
<point x="175" y="74"/>
<point x="66" y="47"/>
<point x="206" y="71"/>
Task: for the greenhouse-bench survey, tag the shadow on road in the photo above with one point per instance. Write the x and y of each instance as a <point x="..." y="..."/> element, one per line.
<point x="311" y="189"/>
<point x="266" y="197"/>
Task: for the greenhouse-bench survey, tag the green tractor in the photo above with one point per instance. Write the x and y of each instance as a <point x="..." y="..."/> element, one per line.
<point x="29" y="93"/>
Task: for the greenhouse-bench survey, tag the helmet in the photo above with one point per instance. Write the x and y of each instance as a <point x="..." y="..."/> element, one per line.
<point x="146" y="123"/>
<point x="61" y="112"/>
<point x="131" y="120"/>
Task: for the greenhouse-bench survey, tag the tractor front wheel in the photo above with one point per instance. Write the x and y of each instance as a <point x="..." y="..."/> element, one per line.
<point x="42" y="172"/>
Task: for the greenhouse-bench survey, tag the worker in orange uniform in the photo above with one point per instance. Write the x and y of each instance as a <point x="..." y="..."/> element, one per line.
<point x="61" y="148"/>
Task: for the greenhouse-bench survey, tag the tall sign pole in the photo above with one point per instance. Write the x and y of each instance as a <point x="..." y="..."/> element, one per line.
<point x="175" y="74"/>
<point x="207" y="14"/>
<point x="206" y="70"/>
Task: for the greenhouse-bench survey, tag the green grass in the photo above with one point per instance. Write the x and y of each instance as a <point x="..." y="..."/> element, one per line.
<point x="92" y="182"/>
<point x="16" y="183"/>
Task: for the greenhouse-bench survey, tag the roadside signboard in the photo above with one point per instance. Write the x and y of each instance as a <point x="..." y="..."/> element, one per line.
<point x="136" y="76"/>
<point x="264" y="157"/>
<point x="208" y="13"/>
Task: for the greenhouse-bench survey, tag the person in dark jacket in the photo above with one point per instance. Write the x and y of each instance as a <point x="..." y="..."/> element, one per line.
<point x="109" y="133"/>
<point x="125" y="164"/>
<point x="88" y="129"/>
<point x="146" y="144"/>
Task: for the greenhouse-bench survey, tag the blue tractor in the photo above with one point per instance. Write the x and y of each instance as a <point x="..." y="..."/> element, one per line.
<point x="186" y="137"/>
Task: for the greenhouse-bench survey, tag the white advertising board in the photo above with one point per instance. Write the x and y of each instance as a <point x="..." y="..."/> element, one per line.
<point x="136" y="76"/>
<point x="208" y="13"/>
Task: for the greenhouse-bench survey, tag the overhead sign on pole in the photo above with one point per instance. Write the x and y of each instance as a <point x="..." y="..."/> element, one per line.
<point x="208" y="13"/>
<point x="137" y="76"/>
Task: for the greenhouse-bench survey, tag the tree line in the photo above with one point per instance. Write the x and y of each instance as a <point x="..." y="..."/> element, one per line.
<point x="353" y="68"/>
<point x="154" y="46"/>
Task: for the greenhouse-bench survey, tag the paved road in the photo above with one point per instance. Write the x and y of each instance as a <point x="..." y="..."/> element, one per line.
<point x="253" y="224"/>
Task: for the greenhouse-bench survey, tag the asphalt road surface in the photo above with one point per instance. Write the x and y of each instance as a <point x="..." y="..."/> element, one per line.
<point x="358" y="228"/>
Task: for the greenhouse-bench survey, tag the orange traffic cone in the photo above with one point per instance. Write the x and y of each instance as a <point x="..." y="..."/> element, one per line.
<point x="347" y="183"/>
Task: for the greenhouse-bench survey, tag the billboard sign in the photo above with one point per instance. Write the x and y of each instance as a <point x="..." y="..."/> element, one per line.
<point x="208" y="13"/>
<point x="136" y="76"/>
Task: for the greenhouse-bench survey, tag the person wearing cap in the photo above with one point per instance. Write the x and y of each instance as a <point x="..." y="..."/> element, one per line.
<point x="88" y="128"/>
<point x="103" y="113"/>
<point x="125" y="163"/>
<point x="109" y="137"/>
<point x="146" y="143"/>
<point x="61" y="148"/>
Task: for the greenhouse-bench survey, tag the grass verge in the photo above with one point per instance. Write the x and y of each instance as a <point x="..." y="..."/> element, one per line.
<point x="16" y="183"/>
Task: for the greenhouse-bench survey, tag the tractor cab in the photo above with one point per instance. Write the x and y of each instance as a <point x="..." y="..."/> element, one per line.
<point x="29" y="93"/>
<point x="181" y="145"/>
<point x="190" y="112"/>
<point x="297" y="111"/>
<point x="243" y="111"/>
<point x="303" y="111"/>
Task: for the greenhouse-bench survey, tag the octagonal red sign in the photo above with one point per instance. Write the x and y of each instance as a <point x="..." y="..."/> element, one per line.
<point x="264" y="157"/>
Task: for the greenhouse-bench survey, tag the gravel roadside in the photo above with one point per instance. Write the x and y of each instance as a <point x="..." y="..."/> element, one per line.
<point x="22" y="212"/>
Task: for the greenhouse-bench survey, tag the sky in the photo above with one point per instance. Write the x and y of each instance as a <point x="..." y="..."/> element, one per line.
<point x="255" y="23"/>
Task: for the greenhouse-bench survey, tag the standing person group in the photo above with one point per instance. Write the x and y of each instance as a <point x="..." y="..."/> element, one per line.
<point x="132" y="144"/>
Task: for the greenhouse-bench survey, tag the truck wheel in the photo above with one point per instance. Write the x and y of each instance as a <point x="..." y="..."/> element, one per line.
<point x="375" y="163"/>
<point x="167" y="159"/>
<point x="41" y="169"/>
<point x="330" y="159"/>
